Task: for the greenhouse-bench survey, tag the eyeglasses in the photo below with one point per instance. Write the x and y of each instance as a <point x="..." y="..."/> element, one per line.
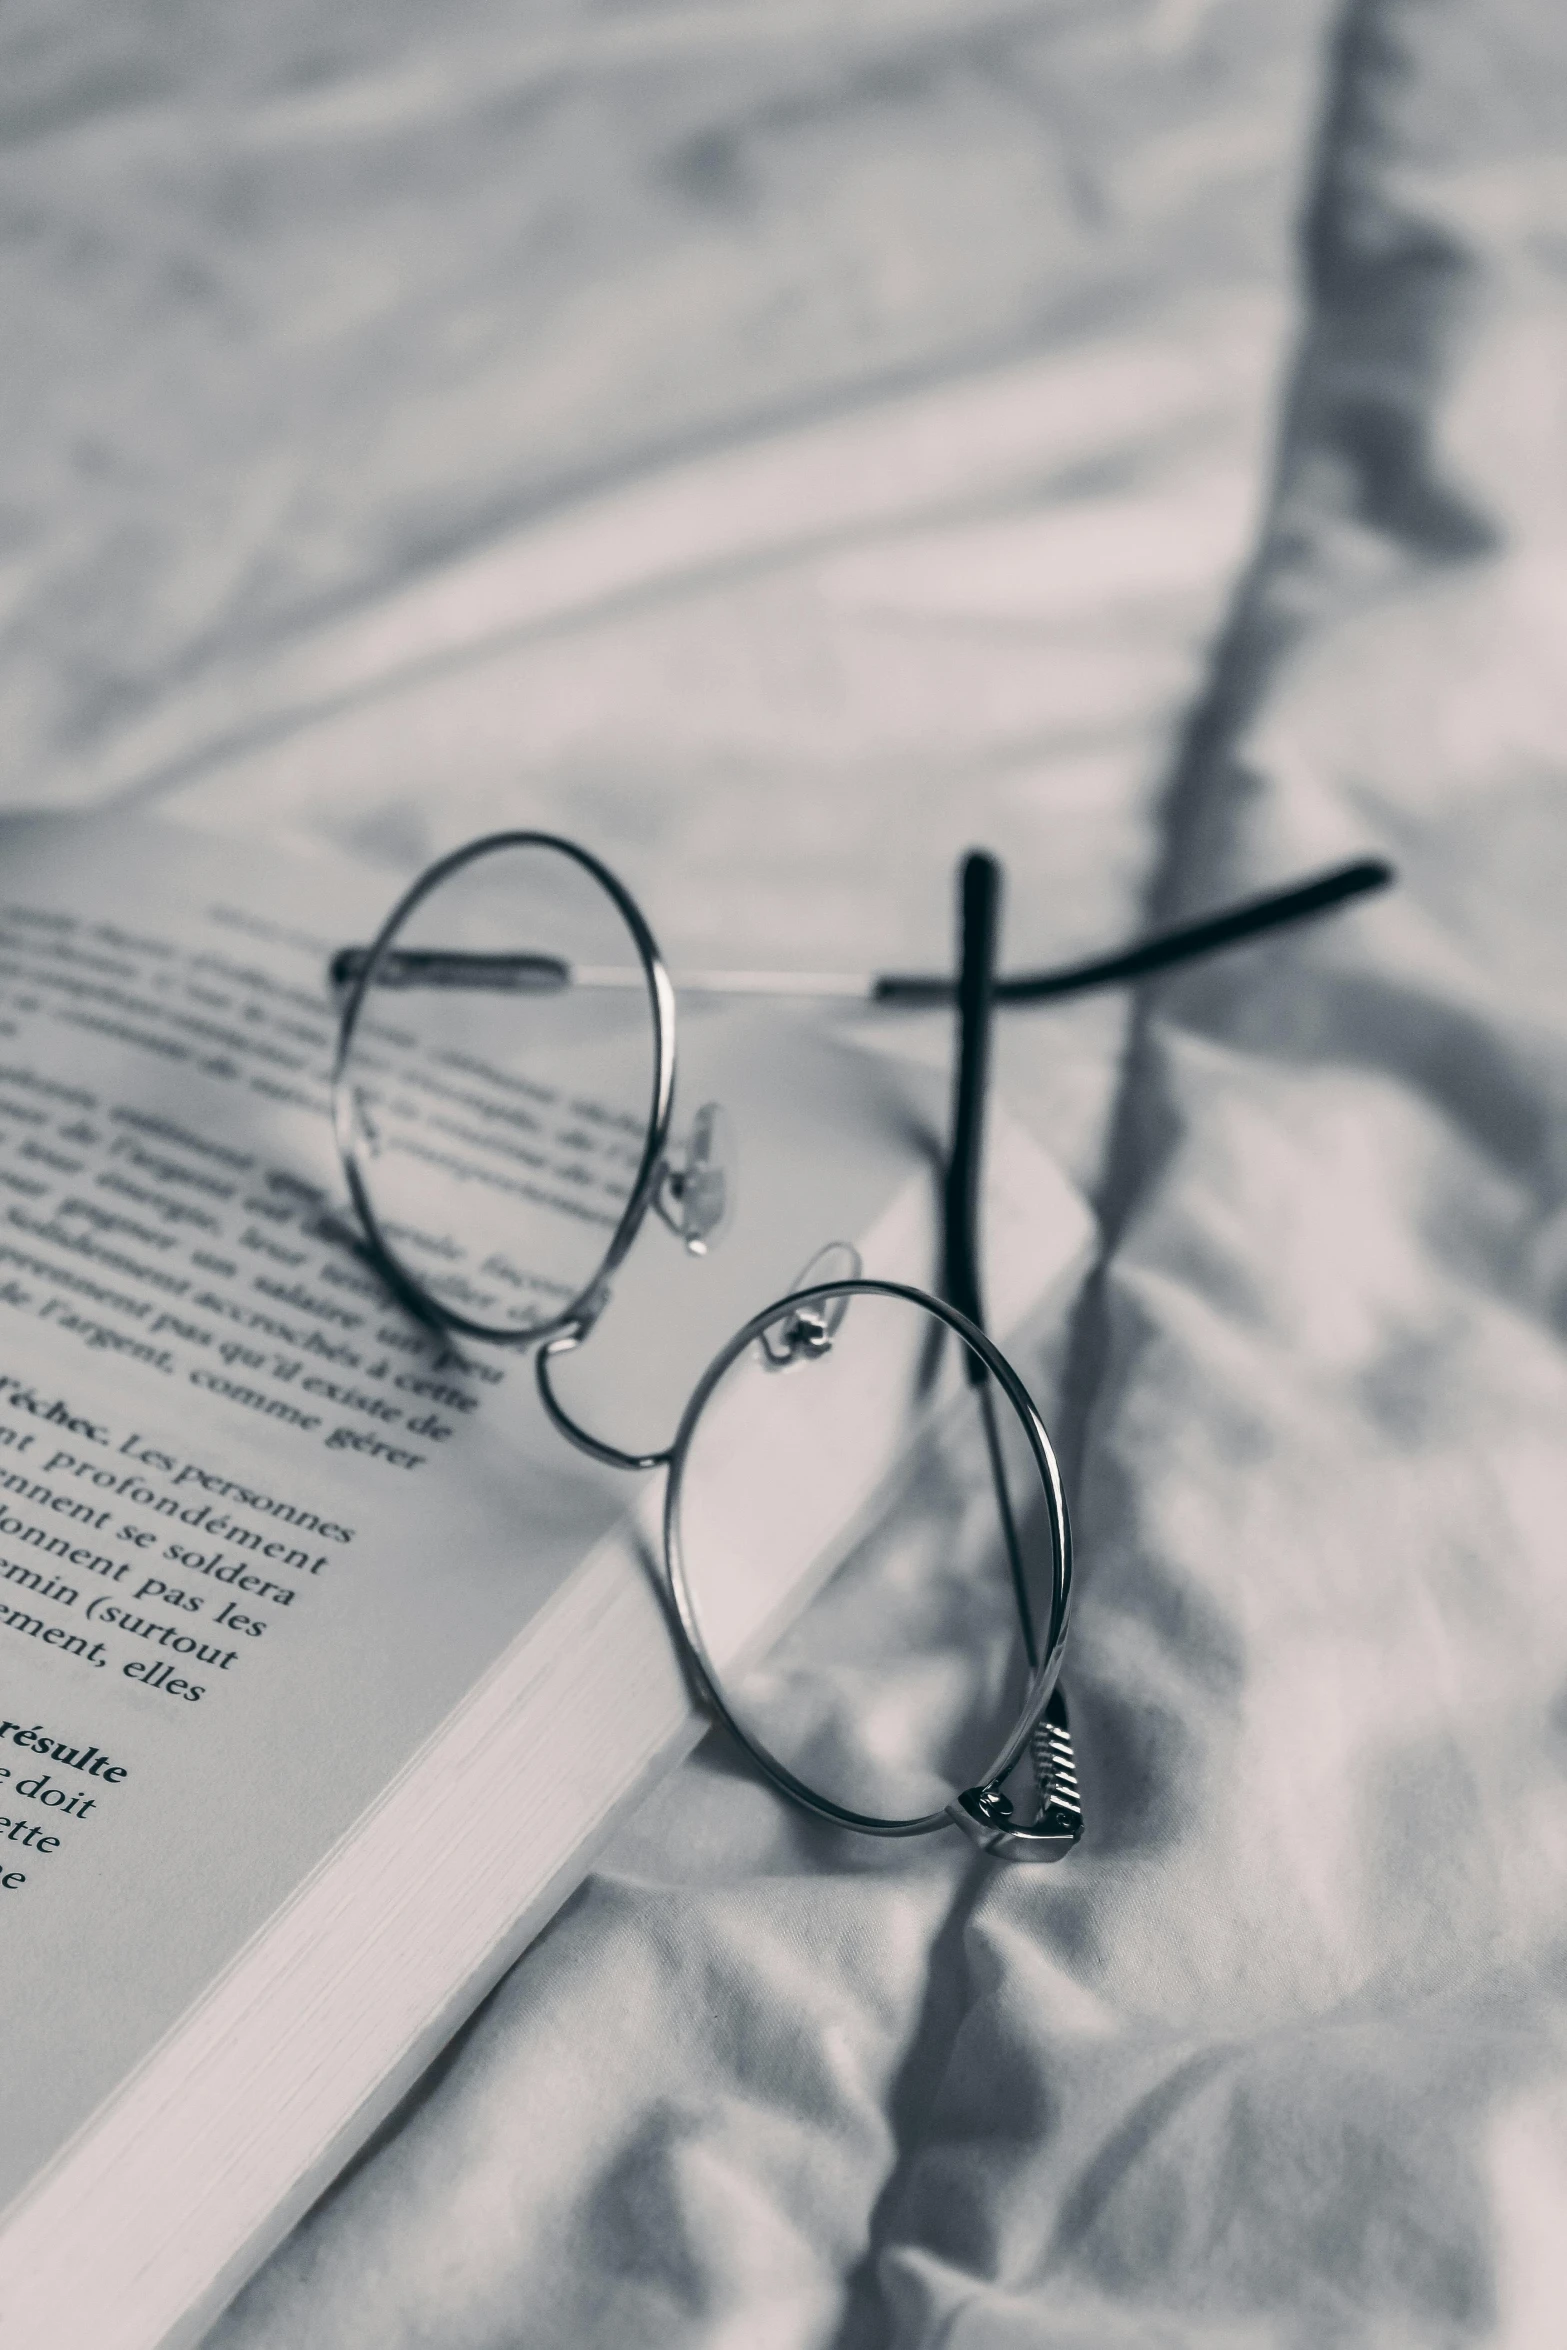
<point x="503" y="1095"/>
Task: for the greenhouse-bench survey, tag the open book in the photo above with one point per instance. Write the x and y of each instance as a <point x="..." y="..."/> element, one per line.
<point x="324" y="1662"/>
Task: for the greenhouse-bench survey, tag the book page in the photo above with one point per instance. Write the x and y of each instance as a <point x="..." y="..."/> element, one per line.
<point x="260" y="1530"/>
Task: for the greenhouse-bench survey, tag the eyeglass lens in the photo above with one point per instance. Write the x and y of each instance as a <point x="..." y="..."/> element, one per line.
<point x="501" y="1111"/>
<point x="900" y="1680"/>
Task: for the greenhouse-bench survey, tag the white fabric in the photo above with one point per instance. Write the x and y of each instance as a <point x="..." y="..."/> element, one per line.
<point x="783" y="443"/>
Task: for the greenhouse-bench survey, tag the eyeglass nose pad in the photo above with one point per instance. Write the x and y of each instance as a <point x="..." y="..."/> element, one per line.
<point x="806" y="1333"/>
<point x="362" y="1126"/>
<point x="696" y="1188"/>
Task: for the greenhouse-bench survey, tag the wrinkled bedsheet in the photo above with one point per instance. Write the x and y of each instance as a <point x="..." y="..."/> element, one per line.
<point x="783" y="443"/>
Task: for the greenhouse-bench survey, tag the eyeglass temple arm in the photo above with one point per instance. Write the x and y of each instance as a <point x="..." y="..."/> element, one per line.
<point x="984" y="1813"/>
<point x="444" y="967"/>
<point x="527" y="974"/>
<point x="1317" y="895"/>
<point x="979" y="897"/>
<point x="980" y="919"/>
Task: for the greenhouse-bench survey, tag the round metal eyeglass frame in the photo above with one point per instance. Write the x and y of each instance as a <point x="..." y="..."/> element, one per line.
<point x="984" y="1811"/>
<point x="358" y="971"/>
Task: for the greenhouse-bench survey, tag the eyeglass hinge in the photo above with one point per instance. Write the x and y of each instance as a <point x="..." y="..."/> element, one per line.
<point x="985" y="1813"/>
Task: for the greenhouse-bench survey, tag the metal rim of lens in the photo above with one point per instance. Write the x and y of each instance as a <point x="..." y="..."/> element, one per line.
<point x="661" y="1005"/>
<point x="1043" y="1679"/>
